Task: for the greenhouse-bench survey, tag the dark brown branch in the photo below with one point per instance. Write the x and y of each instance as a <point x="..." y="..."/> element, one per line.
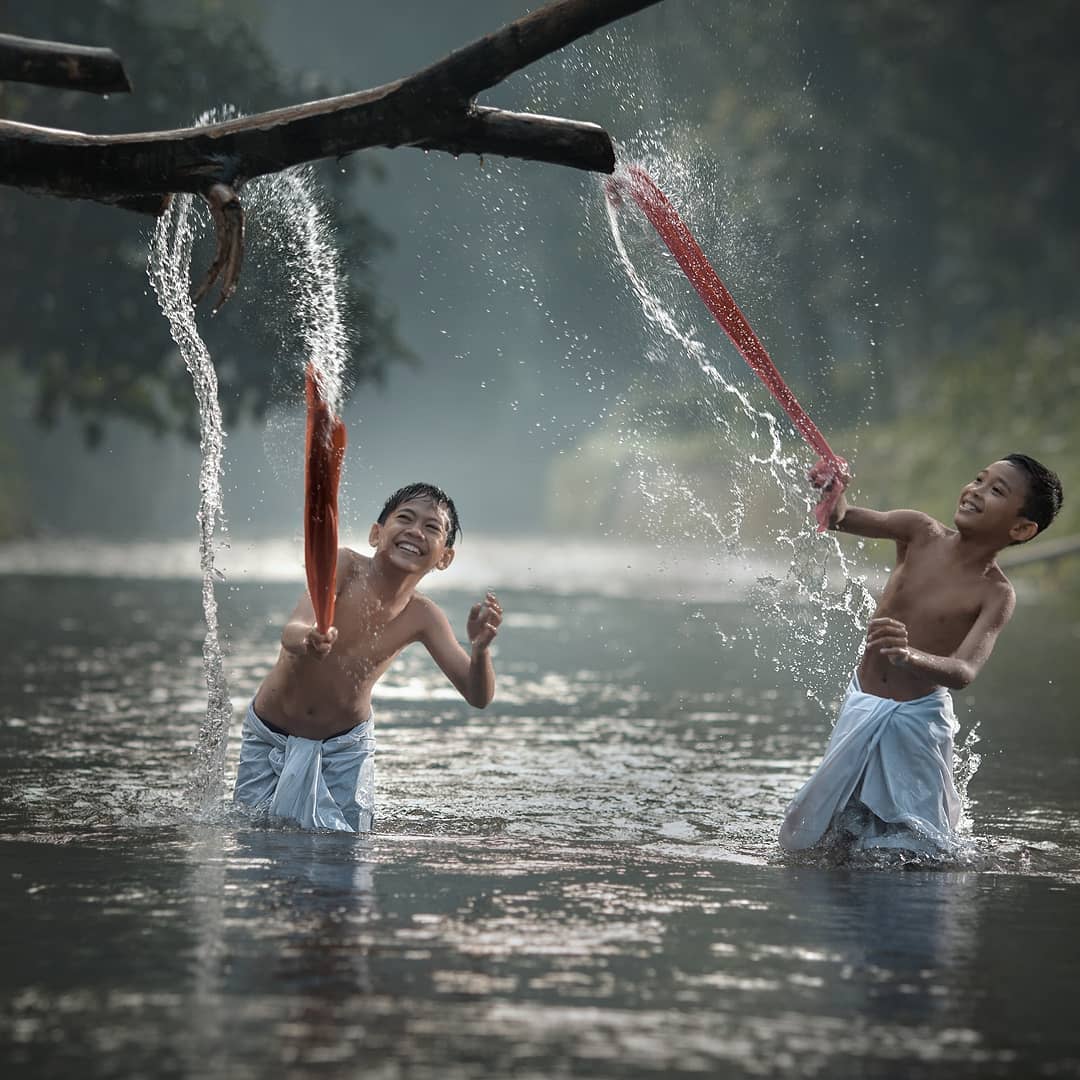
<point x="527" y="136"/>
<point x="228" y="215"/>
<point x="432" y="110"/>
<point x="429" y="109"/>
<point x="69" y="67"/>
<point x="120" y="168"/>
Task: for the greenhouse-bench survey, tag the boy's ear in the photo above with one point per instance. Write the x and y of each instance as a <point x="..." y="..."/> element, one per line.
<point x="373" y="535"/>
<point x="446" y="559"/>
<point x="1023" y="530"/>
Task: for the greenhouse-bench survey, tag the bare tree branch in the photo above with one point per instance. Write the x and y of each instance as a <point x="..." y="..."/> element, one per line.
<point x="432" y="109"/>
<point x="69" y="67"/>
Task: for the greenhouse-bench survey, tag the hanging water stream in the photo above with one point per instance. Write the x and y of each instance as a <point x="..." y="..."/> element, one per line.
<point x="169" y="270"/>
<point x="288" y="207"/>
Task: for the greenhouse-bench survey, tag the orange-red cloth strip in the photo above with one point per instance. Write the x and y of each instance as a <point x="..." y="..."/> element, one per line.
<point x="325" y="452"/>
<point x="721" y="304"/>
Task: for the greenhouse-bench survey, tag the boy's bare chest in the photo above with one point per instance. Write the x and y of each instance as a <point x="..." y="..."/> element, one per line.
<point x="933" y="591"/>
<point x="370" y="633"/>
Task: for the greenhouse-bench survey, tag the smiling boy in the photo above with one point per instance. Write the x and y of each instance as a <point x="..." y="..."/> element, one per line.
<point x="886" y="778"/>
<point x="308" y="746"/>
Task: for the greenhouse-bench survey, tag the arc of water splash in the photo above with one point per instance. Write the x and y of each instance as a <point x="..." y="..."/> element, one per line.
<point x="831" y="473"/>
<point x="169" y="272"/>
<point x="656" y="313"/>
<point x="856" y="603"/>
<point x="289" y="202"/>
<point x="315" y="276"/>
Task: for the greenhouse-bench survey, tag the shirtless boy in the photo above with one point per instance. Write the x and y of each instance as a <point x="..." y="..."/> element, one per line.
<point x="308" y="743"/>
<point x="886" y="778"/>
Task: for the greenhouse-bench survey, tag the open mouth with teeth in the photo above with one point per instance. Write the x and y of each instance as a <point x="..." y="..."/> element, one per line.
<point x="968" y="506"/>
<point x="409" y="549"/>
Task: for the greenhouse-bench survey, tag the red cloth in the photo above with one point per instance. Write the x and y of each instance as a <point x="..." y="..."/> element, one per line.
<point x="325" y="446"/>
<point x="714" y="293"/>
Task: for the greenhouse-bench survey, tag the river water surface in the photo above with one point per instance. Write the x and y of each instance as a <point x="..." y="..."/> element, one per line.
<point x="582" y="880"/>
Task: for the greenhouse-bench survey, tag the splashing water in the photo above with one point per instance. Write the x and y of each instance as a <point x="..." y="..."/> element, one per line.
<point x="169" y="271"/>
<point x="803" y="607"/>
<point x="287" y="205"/>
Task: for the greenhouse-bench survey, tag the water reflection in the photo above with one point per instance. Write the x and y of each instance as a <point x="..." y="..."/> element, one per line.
<point x="582" y="880"/>
<point x="898" y="935"/>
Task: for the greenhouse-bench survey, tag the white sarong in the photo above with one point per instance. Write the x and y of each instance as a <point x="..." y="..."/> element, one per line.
<point x="886" y="778"/>
<point x="318" y="784"/>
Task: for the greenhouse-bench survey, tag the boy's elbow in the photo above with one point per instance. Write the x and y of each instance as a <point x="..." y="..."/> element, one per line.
<point x="964" y="677"/>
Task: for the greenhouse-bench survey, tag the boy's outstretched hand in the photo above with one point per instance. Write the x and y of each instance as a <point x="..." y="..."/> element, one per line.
<point x="484" y="620"/>
<point x="889" y="637"/>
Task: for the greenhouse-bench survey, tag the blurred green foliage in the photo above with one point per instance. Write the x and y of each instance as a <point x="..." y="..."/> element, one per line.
<point x="911" y="164"/>
<point x="1016" y="391"/>
<point x="908" y="168"/>
<point x="82" y="323"/>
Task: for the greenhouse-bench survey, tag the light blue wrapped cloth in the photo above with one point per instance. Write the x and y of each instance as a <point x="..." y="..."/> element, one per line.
<point x="318" y="784"/>
<point x="886" y="778"/>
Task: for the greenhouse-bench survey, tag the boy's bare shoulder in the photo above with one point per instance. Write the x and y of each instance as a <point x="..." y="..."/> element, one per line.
<point x="351" y="560"/>
<point x="999" y="584"/>
<point x="930" y="525"/>
<point x="426" y="613"/>
<point x="916" y="526"/>
<point x="426" y="607"/>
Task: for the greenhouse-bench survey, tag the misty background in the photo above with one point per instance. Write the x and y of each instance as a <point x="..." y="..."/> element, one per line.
<point x="885" y="187"/>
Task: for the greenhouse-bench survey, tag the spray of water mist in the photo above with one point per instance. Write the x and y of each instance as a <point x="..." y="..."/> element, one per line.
<point x="801" y="608"/>
<point x="804" y="609"/>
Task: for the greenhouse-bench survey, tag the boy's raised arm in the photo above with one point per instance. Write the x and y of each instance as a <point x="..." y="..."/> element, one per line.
<point x="898" y="525"/>
<point x="301" y="636"/>
<point x="472" y="674"/>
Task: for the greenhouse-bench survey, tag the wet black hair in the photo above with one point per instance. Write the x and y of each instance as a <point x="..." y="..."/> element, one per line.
<point x="1044" y="495"/>
<point x="424" y="491"/>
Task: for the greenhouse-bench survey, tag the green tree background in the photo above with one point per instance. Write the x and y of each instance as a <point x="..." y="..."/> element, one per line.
<point x="906" y="169"/>
<point x="80" y="326"/>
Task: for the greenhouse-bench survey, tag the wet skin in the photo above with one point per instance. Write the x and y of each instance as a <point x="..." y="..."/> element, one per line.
<point x="321" y="684"/>
<point x="946" y="600"/>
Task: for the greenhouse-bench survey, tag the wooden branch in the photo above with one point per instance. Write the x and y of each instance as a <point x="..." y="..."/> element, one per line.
<point x="432" y="109"/>
<point x="136" y="171"/>
<point x="69" y="67"/>
<point x="527" y="136"/>
<point x="429" y="109"/>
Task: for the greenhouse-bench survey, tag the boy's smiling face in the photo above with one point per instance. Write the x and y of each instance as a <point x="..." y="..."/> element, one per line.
<point x="414" y="537"/>
<point x="992" y="504"/>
